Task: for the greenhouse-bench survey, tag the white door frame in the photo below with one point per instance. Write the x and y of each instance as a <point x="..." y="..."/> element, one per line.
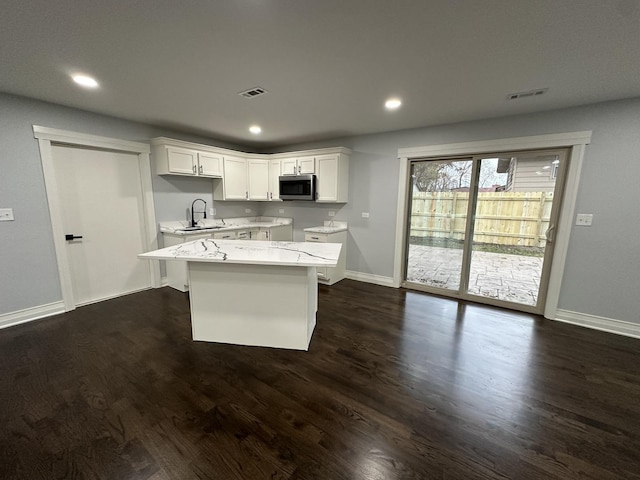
<point x="46" y="137"/>
<point x="576" y="141"/>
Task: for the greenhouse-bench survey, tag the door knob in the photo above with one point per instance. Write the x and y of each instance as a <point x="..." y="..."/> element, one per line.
<point x="71" y="236"/>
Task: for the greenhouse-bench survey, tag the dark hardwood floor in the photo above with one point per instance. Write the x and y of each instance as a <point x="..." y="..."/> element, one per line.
<point x="396" y="385"/>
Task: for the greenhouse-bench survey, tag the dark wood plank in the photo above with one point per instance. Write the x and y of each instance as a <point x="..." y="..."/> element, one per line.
<point x="396" y="384"/>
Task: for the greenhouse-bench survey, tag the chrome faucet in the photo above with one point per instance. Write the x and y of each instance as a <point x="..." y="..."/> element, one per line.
<point x="204" y="211"/>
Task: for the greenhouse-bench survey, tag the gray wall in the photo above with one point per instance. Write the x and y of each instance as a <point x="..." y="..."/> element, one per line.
<point x="602" y="273"/>
<point x="28" y="269"/>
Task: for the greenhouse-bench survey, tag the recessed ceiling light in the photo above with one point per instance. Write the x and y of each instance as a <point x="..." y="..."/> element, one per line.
<point x="392" y="104"/>
<point x="85" y="81"/>
<point x="255" y="129"/>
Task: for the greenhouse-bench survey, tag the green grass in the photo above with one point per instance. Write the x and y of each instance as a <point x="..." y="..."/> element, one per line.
<point x="481" y="247"/>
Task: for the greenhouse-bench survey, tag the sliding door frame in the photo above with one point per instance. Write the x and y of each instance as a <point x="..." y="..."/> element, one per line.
<point x="574" y="141"/>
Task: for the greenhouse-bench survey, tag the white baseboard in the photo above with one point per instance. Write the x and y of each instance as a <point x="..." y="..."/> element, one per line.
<point x="604" y="324"/>
<point x="29" y="314"/>
<point x="369" y="278"/>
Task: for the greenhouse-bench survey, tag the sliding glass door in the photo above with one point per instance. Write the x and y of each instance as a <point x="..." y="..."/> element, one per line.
<point x="482" y="227"/>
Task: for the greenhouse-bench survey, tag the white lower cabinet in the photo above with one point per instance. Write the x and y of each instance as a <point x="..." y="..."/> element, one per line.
<point x="177" y="276"/>
<point x="330" y="275"/>
<point x="225" y="235"/>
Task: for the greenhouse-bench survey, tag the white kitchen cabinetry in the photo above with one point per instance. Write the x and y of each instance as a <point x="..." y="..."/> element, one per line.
<point x="177" y="160"/>
<point x="298" y="166"/>
<point x="248" y="234"/>
<point x="275" y="167"/>
<point x="330" y="275"/>
<point x="177" y="276"/>
<point x="234" y="182"/>
<point x="244" y="179"/>
<point x="225" y="235"/>
<point x="210" y="164"/>
<point x="254" y="177"/>
<point x="258" y="179"/>
<point x="332" y="179"/>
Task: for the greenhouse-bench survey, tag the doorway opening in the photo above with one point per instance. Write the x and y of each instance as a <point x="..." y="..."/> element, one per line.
<point x="102" y="214"/>
<point x="481" y="227"/>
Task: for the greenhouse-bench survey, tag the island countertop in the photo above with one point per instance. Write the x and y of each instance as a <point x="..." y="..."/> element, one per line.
<point x="251" y="252"/>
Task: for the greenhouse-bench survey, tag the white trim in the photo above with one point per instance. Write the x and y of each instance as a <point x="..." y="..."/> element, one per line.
<point x="610" y="325"/>
<point x="369" y="278"/>
<point x="29" y="314"/>
<point x="73" y="138"/>
<point x="504" y="144"/>
<point x="575" y="140"/>
<point x="236" y="153"/>
<point x="46" y="136"/>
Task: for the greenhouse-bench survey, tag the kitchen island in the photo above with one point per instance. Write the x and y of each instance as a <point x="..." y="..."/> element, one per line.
<point x="252" y="292"/>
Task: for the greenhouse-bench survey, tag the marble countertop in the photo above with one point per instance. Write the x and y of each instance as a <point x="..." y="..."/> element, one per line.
<point x="251" y="252"/>
<point x="329" y="226"/>
<point x="215" y="225"/>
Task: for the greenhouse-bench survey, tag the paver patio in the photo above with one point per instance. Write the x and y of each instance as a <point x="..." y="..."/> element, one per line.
<point x="513" y="278"/>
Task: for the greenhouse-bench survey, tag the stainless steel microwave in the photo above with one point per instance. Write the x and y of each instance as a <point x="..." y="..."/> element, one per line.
<point x="298" y="187"/>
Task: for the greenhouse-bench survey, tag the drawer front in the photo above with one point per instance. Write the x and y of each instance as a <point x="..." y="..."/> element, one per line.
<point x="316" y="237"/>
<point x="225" y="235"/>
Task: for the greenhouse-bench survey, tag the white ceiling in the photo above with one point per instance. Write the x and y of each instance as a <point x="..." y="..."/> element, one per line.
<point x="328" y="65"/>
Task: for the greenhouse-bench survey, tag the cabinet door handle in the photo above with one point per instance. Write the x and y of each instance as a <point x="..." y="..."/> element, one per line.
<point x="299" y="169"/>
<point x="315" y="238"/>
<point x="200" y="168"/>
<point x="194" y="169"/>
<point x="246" y="195"/>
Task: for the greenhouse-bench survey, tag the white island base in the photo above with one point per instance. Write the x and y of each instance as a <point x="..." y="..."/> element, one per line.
<point x="252" y="292"/>
<point x="265" y="305"/>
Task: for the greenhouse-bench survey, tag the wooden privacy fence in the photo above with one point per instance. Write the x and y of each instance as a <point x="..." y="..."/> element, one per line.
<point x="502" y="218"/>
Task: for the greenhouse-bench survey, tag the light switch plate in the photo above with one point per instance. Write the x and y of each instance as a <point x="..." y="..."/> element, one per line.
<point x="247" y="210"/>
<point x="6" y="214"/>
<point x="584" y="219"/>
<point x="365" y="214"/>
<point x="281" y="210"/>
<point x="332" y="213"/>
<point x="212" y="212"/>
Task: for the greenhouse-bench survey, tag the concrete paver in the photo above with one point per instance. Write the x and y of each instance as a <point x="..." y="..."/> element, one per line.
<point x="513" y="278"/>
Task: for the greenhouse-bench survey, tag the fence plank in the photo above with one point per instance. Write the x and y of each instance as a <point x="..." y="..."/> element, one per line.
<point x="502" y="218"/>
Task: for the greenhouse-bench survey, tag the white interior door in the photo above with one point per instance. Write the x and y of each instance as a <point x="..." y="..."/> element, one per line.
<point x="100" y="200"/>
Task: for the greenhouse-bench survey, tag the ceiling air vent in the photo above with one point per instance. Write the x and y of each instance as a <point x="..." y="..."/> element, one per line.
<point x="530" y="93"/>
<point x="253" y="92"/>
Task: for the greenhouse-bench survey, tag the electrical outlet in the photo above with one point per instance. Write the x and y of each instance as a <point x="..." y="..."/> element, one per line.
<point x="365" y="214"/>
<point x="6" y="214"/>
<point x="247" y="210"/>
<point x="281" y="210"/>
<point x="212" y="212"/>
<point x="332" y="213"/>
<point x="584" y="219"/>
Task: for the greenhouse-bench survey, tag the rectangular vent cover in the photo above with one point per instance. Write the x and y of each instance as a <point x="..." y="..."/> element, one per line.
<point x="253" y="92"/>
<point x="530" y="93"/>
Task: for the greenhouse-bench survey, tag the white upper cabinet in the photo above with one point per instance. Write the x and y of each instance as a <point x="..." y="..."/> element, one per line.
<point x="274" y="179"/>
<point x="254" y="177"/>
<point x="234" y="184"/>
<point x="180" y="160"/>
<point x="173" y="157"/>
<point x="244" y="179"/>
<point x="298" y="165"/>
<point x="258" y="179"/>
<point x="210" y="165"/>
<point x="332" y="178"/>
